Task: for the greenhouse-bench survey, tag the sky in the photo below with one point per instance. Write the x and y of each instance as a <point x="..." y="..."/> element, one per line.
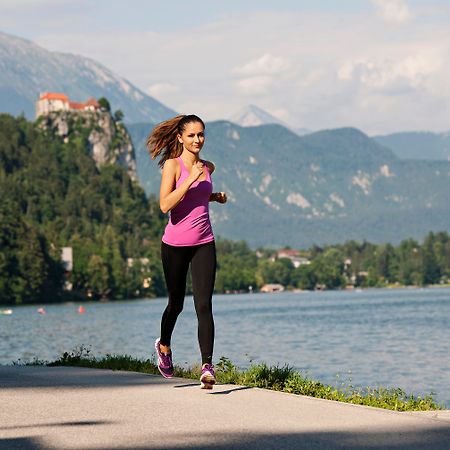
<point x="382" y="66"/>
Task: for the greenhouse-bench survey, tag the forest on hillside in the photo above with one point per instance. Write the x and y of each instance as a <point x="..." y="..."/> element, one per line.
<point x="54" y="196"/>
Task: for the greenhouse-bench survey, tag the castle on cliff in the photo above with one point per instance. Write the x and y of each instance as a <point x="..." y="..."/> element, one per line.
<point x="53" y="101"/>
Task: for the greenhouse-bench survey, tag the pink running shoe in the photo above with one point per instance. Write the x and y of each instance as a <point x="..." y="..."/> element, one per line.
<point x="165" y="365"/>
<point x="208" y="377"/>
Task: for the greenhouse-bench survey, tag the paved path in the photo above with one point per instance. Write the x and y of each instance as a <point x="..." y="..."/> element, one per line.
<point x="76" y="408"/>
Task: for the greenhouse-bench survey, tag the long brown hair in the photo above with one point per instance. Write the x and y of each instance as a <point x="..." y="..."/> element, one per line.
<point x="163" y="138"/>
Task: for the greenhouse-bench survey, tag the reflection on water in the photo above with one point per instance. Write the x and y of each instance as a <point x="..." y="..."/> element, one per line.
<point x="374" y="337"/>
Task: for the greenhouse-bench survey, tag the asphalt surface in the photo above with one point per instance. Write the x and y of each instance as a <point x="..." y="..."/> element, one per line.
<point x="77" y="408"/>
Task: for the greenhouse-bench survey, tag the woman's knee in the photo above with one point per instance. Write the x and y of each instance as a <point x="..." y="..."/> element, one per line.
<point x="174" y="308"/>
<point x="204" y="309"/>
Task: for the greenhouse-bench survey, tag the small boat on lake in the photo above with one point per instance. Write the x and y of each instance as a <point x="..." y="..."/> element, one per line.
<point x="272" y="288"/>
<point x="6" y="312"/>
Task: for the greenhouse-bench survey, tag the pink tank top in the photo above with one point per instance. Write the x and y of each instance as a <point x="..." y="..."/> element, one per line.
<point x="189" y="222"/>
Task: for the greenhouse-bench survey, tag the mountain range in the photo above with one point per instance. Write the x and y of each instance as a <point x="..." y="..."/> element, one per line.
<point x="284" y="189"/>
<point x="27" y="70"/>
<point x="418" y="145"/>
<point x="326" y="187"/>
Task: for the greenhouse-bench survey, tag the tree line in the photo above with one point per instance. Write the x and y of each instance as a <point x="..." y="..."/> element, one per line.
<point x="352" y="264"/>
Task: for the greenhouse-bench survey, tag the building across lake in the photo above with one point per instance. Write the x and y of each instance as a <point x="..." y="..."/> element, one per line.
<point x="53" y="101"/>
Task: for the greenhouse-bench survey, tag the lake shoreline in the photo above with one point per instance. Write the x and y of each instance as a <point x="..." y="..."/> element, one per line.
<point x="277" y="378"/>
<point x="88" y="300"/>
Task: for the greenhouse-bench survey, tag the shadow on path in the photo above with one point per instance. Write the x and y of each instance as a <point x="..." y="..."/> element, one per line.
<point x="77" y="423"/>
<point x="215" y="391"/>
<point x="27" y="377"/>
<point x="430" y="439"/>
<point x="187" y="385"/>
<point x="32" y="377"/>
<point x="229" y="391"/>
<point x="20" y="444"/>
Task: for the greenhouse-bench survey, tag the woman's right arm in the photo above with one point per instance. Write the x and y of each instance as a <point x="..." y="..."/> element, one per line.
<point x="169" y="196"/>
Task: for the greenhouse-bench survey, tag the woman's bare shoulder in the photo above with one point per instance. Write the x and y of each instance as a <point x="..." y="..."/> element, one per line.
<point x="171" y="169"/>
<point x="171" y="164"/>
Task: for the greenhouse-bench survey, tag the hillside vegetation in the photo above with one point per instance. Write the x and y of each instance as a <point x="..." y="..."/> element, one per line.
<point x="54" y="196"/>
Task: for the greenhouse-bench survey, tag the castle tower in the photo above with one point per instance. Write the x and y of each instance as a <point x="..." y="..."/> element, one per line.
<point x="51" y="101"/>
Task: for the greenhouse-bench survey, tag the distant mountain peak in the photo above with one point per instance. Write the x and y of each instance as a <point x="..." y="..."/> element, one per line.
<point x="252" y="115"/>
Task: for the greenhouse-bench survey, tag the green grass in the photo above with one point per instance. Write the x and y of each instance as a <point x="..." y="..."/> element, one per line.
<point x="284" y="379"/>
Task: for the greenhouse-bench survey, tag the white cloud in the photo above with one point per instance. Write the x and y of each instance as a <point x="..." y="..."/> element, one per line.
<point x="391" y="76"/>
<point x="260" y="75"/>
<point x="255" y="85"/>
<point x="315" y="69"/>
<point x="267" y="64"/>
<point x="396" y="11"/>
<point x="161" y="89"/>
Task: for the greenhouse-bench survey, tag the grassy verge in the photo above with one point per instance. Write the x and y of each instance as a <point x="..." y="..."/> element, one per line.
<point x="284" y="379"/>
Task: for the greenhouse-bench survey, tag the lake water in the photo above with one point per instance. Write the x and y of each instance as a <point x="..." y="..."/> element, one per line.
<point x="376" y="337"/>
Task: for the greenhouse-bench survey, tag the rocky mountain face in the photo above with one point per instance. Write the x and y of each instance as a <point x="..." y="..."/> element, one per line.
<point x="109" y="141"/>
<point x="27" y="70"/>
<point x="326" y="187"/>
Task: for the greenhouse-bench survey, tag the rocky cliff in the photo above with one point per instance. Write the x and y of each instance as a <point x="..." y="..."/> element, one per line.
<point x="107" y="139"/>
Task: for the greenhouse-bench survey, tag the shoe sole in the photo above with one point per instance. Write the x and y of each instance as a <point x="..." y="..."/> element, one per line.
<point x="207" y="382"/>
<point x="164" y="374"/>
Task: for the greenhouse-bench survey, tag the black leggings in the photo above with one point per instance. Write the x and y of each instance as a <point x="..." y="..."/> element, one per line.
<point x="176" y="260"/>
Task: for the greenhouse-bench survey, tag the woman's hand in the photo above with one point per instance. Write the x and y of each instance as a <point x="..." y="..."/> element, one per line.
<point x="219" y="197"/>
<point x="196" y="171"/>
<point x="169" y="194"/>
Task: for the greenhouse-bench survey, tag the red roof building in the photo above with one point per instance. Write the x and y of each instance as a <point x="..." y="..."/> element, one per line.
<point x="54" y="96"/>
<point x="54" y="101"/>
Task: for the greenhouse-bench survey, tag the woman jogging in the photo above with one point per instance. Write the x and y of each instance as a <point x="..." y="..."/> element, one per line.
<point x="188" y="240"/>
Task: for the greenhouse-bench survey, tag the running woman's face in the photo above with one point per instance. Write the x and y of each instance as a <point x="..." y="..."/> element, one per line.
<point x="193" y="137"/>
